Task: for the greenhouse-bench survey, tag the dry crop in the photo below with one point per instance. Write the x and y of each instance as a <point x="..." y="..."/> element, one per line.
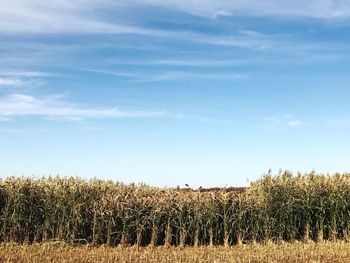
<point x="336" y="252"/>
<point x="275" y="208"/>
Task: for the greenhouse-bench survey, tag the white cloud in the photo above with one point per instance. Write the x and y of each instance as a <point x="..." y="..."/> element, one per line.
<point x="323" y="9"/>
<point x="216" y="63"/>
<point x="239" y="39"/>
<point x="167" y="75"/>
<point x="11" y="82"/>
<point x="214" y="121"/>
<point x="20" y="16"/>
<point x="41" y="17"/>
<point x="20" y="105"/>
<point x="180" y="75"/>
<point x="113" y="73"/>
<point x="85" y="15"/>
<point x="294" y="123"/>
<point x="186" y="62"/>
<point x="63" y="16"/>
<point x="22" y="78"/>
<point x="25" y="74"/>
<point x="285" y="121"/>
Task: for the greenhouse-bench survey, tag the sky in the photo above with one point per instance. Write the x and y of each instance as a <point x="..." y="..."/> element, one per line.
<point x="168" y="93"/>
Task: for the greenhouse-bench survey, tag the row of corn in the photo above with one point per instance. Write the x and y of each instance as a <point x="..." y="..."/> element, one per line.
<point x="285" y="207"/>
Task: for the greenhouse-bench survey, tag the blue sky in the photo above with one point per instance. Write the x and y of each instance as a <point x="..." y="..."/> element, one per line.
<point x="208" y="93"/>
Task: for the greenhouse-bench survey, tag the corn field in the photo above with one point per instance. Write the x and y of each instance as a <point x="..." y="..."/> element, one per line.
<point x="278" y="208"/>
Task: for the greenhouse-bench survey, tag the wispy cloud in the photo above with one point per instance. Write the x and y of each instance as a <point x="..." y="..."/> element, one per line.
<point x="294" y="123"/>
<point x="214" y="121"/>
<point x="167" y="75"/>
<point x="57" y="17"/>
<point x="322" y="9"/>
<point x="238" y="39"/>
<point x="11" y="82"/>
<point x="20" y="16"/>
<point x="57" y="107"/>
<point x="26" y="74"/>
<point x="42" y="16"/>
<point x="179" y="63"/>
<point x="185" y="62"/>
<point x="199" y="118"/>
<point x="54" y="106"/>
<point x="112" y="73"/>
<point x="283" y="121"/>
<point x="22" y="78"/>
<point x="181" y="75"/>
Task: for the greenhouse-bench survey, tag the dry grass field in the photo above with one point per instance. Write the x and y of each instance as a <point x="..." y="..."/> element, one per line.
<point x="286" y="252"/>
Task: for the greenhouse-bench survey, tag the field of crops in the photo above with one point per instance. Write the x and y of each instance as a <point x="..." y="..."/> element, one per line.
<point x="273" y="209"/>
<point x="335" y="252"/>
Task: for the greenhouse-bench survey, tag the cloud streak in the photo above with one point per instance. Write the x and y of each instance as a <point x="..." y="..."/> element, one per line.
<point x="13" y="82"/>
<point x="40" y="16"/>
<point x="185" y="62"/>
<point x="22" y="78"/>
<point x="166" y="75"/>
<point x="55" y="107"/>
<point x="20" y="16"/>
<point x="285" y="121"/>
<point x="294" y="123"/>
<point x="321" y="9"/>
<point x="25" y="74"/>
<point x="56" y="17"/>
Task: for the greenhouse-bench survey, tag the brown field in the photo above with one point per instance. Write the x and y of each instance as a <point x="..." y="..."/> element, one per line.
<point x="285" y="252"/>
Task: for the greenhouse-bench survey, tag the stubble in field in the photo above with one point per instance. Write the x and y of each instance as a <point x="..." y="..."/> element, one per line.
<point x="297" y="252"/>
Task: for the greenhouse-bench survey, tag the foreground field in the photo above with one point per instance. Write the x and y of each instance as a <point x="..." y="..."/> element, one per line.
<point x="297" y="252"/>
